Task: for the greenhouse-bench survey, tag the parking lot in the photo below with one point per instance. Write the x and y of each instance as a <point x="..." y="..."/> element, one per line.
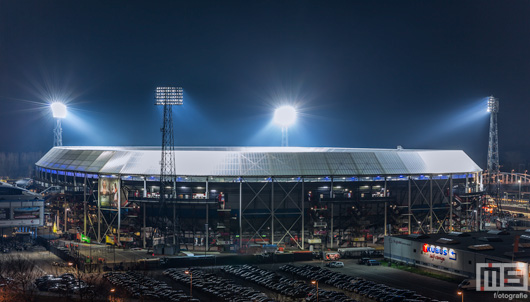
<point x="423" y="285"/>
<point x="272" y="282"/>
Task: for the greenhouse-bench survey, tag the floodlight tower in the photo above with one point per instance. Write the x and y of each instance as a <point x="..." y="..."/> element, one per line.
<point x="59" y="112"/>
<point x="493" y="146"/>
<point x="167" y="97"/>
<point x="285" y="116"/>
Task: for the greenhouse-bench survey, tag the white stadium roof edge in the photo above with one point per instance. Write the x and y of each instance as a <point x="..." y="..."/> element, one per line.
<point x="260" y="161"/>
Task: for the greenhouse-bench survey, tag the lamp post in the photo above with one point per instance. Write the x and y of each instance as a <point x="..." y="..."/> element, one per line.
<point x="461" y="293"/>
<point x="66" y="220"/>
<point x="112" y="291"/>
<point x="187" y="272"/>
<point x="315" y="282"/>
<point x="519" y="189"/>
<point x="285" y="116"/>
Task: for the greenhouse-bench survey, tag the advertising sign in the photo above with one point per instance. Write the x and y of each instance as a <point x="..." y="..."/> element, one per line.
<point x="108" y="193"/>
<point x="436" y="252"/>
<point x="26" y="213"/>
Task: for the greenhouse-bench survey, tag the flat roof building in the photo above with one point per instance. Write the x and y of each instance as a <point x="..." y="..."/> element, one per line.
<point x="458" y="253"/>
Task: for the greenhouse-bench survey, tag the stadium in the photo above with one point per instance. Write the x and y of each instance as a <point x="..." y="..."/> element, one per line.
<point x="237" y="198"/>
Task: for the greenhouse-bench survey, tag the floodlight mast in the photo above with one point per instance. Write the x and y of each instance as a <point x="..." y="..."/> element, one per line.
<point x="493" y="145"/>
<point x="59" y="112"/>
<point x="285" y="116"/>
<point x="167" y="97"/>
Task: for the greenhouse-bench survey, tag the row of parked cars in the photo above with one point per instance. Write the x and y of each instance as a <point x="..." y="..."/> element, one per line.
<point x="215" y="287"/>
<point x="288" y="287"/>
<point x="12" y="245"/>
<point x="140" y="286"/>
<point x="360" y="286"/>
<point x="65" y="283"/>
<point x="368" y="261"/>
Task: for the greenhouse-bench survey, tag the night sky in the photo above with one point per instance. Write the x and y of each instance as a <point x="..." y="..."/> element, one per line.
<point x="367" y="74"/>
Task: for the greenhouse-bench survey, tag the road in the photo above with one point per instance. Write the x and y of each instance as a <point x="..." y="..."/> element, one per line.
<point x="109" y="253"/>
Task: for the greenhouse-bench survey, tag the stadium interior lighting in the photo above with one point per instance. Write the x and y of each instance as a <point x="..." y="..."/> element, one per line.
<point x="285" y="116"/>
<point x="58" y="110"/>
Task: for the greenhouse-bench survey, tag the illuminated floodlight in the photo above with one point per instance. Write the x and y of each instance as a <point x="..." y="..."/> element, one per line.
<point x="58" y="110"/>
<point x="493" y="104"/>
<point x="168" y="96"/>
<point x="285" y="116"/>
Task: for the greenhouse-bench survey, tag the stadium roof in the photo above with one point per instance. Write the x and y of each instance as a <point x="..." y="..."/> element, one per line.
<point x="260" y="161"/>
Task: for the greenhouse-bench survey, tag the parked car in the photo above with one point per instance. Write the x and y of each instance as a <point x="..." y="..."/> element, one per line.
<point x="372" y="262"/>
<point x="363" y="260"/>
<point x="335" y="264"/>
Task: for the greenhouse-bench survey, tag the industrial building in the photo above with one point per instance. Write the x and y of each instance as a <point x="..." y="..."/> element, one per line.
<point x="458" y="253"/>
<point x="21" y="211"/>
<point x="230" y="198"/>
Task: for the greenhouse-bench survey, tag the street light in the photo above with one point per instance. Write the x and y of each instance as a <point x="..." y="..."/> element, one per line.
<point x="66" y="219"/>
<point x="187" y="272"/>
<point x="285" y="116"/>
<point x="112" y="291"/>
<point x="59" y="112"/>
<point x="461" y="293"/>
<point x="519" y="190"/>
<point x="315" y="282"/>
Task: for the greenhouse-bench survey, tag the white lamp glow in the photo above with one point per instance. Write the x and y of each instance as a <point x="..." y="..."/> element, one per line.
<point x="58" y="110"/>
<point x="285" y="116"/>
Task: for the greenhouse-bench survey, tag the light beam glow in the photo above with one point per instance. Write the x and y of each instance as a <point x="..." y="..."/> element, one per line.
<point x="285" y="116"/>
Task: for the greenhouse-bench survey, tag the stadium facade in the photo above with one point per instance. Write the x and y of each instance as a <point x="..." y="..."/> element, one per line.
<point x="229" y="198"/>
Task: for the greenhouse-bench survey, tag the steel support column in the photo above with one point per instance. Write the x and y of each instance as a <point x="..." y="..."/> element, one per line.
<point x="303" y="215"/>
<point x="145" y="188"/>
<point x="273" y="218"/>
<point x="174" y="225"/>
<point x="145" y="231"/>
<point x="84" y="205"/>
<point x="331" y="197"/>
<point x="410" y="205"/>
<point x="331" y="235"/>
<point x="240" y="213"/>
<point x="207" y="226"/>
<point x="430" y="204"/>
<point x="451" y="203"/>
<point x="119" y="209"/>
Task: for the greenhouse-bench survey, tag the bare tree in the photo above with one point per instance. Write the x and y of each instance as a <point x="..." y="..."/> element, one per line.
<point x="20" y="275"/>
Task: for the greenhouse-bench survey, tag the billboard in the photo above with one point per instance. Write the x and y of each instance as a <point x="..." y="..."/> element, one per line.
<point x="109" y="193"/>
<point x="26" y="213"/>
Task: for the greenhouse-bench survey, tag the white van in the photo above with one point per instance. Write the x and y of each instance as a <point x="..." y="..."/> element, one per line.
<point x="468" y="284"/>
